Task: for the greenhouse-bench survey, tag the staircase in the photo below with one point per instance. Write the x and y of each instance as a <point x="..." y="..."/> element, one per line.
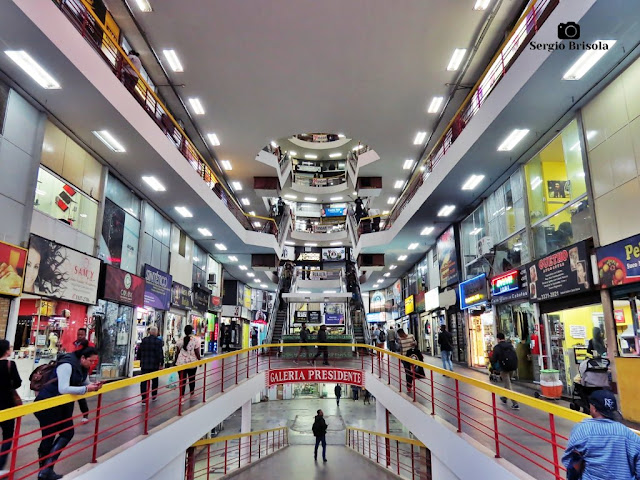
<point x="358" y="332"/>
<point x="279" y="326"/>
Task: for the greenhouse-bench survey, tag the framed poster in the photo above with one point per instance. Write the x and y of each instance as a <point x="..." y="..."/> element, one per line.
<point x="13" y="259"/>
<point x="448" y="258"/>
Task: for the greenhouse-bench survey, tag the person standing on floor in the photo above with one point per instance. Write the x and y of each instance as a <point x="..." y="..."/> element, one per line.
<point x="304" y="338"/>
<point x="367" y="397"/>
<point x="338" y="391"/>
<point x="151" y="358"/>
<point x="375" y="335"/>
<point x="322" y="350"/>
<point x="391" y="340"/>
<point x="405" y="343"/>
<point x="445" y="340"/>
<point x="319" y="429"/>
<point x="188" y="352"/>
<point x="504" y="355"/>
<point x="355" y="392"/>
<point x="80" y="343"/>
<point x="129" y="74"/>
<point x="9" y="381"/>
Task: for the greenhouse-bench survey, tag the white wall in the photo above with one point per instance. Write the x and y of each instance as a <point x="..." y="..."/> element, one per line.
<point x="181" y="268"/>
<point x="49" y="227"/>
<point x="215" y="268"/>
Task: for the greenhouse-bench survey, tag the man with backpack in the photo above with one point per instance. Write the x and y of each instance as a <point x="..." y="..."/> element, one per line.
<point x="504" y="356"/>
<point x="319" y="430"/>
<point x="445" y="340"/>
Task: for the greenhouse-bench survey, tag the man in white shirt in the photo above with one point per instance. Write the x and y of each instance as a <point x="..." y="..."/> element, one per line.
<point x="130" y="75"/>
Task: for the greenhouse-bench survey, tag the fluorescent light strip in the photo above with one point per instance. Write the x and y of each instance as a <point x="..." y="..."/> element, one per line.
<point x="263" y="285"/>
<point x="184" y="212"/>
<point x="237" y="186"/>
<point x="251" y="274"/>
<point x="105" y="137"/>
<point x="413" y="246"/>
<point x="456" y="59"/>
<point x="293" y="153"/>
<point x="329" y="291"/>
<point x="399" y="184"/>
<point x="33" y="69"/>
<point x="587" y="60"/>
<point x="221" y="246"/>
<point x="242" y="267"/>
<point x="206" y="232"/>
<point x="513" y="139"/>
<point x="392" y="267"/>
<point x="245" y="201"/>
<point x="310" y="199"/>
<point x="402" y="258"/>
<point x="386" y="274"/>
<point x="290" y="242"/>
<point x="335" y="199"/>
<point x="226" y="164"/>
<point x="357" y="147"/>
<point x="144" y="6"/>
<point x="290" y="197"/>
<point x="335" y="244"/>
<point x="257" y="224"/>
<point x="434" y="106"/>
<point x="274" y="144"/>
<point x="213" y="139"/>
<point x="196" y="106"/>
<point x="310" y="244"/>
<point x="154" y="184"/>
<point x="233" y="258"/>
<point x="481" y="4"/>
<point x="420" y="136"/>
<point x="341" y="135"/>
<point x="408" y="164"/>
<point x="472" y="182"/>
<point x="427" y="230"/>
<point x="391" y="200"/>
<point x="335" y="155"/>
<point x="310" y="157"/>
<point x="446" y="210"/>
<point x="173" y="60"/>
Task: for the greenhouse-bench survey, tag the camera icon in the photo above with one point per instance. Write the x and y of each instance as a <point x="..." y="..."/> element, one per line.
<point x="568" y="31"/>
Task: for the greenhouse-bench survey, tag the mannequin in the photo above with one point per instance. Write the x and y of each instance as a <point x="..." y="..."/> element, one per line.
<point x="53" y="343"/>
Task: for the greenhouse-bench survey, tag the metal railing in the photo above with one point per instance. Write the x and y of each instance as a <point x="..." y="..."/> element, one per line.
<point x="327" y="180"/>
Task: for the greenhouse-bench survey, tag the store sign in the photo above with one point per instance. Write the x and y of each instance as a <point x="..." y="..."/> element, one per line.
<point x="281" y="376"/>
<point x="408" y="305"/>
<point x="12" y="262"/>
<point x="334" y="319"/>
<point x="619" y="263"/>
<point x="181" y="296"/>
<point x="122" y="287"/>
<point x="512" y="294"/>
<point x="308" y="316"/>
<point x="335" y="212"/>
<point x="215" y="302"/>
<point x="432" y="300"/>
<point x="53" y="270"/>
<point x="309" y="257"/>
<point x="201" y="298"/>
<point x="157" y="289"/>
<point x="333" y="254"/>
<point x="377" y="317"/>
<point x="378" y="300"/>
<point x="447" y="258"/>
<point x="564" y="272"/>
<point x="505" y="283"/>
<point x="473" y="292"/>
<point x="236" y="311"/>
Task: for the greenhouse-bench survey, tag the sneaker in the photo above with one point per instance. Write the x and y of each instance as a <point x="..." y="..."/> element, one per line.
<point x="324" y="459"/>
<point x="503" y="400"/>
<point x="154" y="399"/>
<point x="515" y="407"/>
<point x="143" y="404"/>
<point x="295" y="361"/>
<point x="85" y="419"/>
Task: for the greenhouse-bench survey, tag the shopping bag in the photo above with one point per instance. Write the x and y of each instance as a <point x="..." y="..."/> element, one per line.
<point x="173" y="381"/>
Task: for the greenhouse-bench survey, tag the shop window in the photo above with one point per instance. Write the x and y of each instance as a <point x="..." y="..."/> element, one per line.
<point x="628" y="333"/>
<point x="120" y="238"/>
<point x="59" y="200"/>
<point x="119" y="194"/>
<point x="566" y="227"/>
<point x="4" y="98"/>
<point x="114" y="327"/>
<point x="472" y="230"/>
<point x="505" y="209"/>
<point x="511" y="253"/>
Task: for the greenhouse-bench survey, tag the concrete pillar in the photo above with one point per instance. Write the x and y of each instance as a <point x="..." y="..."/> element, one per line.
<point x="245" y="427"/>
<point x="172" y="470"/>
<point x="382" y="426"/>
<point x="610" y="333"/>
<point x="12" y="321"/>
<point x="440" y="471"/>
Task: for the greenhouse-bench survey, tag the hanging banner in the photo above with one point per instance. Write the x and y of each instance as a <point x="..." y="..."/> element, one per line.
<point x="246" y="297"/>
<point x="619" y="263"/>
<point x="157" y="290"/>
<point x="408" y="305"/>
<point x="281" y="376"/>
<point x="201" y="298"/>
<point x="474" y="292"/>
<point x="447" y="258"/>
<point x="122" y="287"/>
<point x="12" y="262"/>
<point x="337" y="254"/>
<point x="181" y="296"/>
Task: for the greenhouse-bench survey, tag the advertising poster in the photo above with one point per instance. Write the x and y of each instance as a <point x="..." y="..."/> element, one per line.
<point x="333" y="314"/>
<point x="333" y="254"/>
<point x="334" y="212"/>
<point x="619" y="263"/>
<point x="181" y="296"/>
<point x="119" y="239"/>
<point x="474" y="292"/>
<point x="377" y="302"/>
<point x="201" y="298"/>
<point x="510" y="286"/>
<point x="12" y="262"/>
<point x="564" y="272"/>
<point x="122" y="287"/>
<point x="246" y="297"/>
<point x="447" y="258"/>
<point x="157" y="290"/>
<point x="56" y="271"/>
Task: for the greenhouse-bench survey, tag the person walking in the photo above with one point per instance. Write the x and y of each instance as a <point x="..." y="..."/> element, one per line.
<point x="355" y="392"/>
<point x="56" y="423"/>
<point x="504" y="355"/>
<point x="9" y="381"/>
<point x="445" y="340"/>
<point x="322" y="350"/>
<point x="601" y="447"/>
<point x="375" y="335"/>
<point x="391" y="340"/>
<point x="151" y="358"/>
<point x="338" y="391"/>
<point x="129" y="74"/>
<point x="81" y="342"/>
<point x="319" y="430"/>
<point x="188" y="352"/>
<point x="367" y="397"/>
<point x="304" y="338"/>
<point x="406" y="343"/>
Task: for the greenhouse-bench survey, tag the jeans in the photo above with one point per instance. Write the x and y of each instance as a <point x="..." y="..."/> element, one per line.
<point x="306" y="352"/>
<point x="446" y="360"/>
<point x="320" y="440"/>
<point x="189" y="373"/>
<point x="408" y="374"/>
<point x="506" y="378"/>
<point x="324" y="351"/>
<point x="84" y="407"/>
<point x="7" y="436"/>
<point x="54" y="420"/>
<point x="154" y="386"/>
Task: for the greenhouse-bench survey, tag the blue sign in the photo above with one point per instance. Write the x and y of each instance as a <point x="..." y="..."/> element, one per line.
<point x="335" y="212"/>
<point x="619" y="263"/>
<point x="333" y="319"/>
<point x="157" y="290"/>
<point x="376" y="317"/>
<point x="474" y="292"/>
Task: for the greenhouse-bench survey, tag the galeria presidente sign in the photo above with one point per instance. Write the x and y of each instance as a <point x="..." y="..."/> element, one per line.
<point x="314" y="375"/>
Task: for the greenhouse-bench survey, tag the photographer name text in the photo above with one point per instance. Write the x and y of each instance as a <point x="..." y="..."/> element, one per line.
<point x="568" y="45"/>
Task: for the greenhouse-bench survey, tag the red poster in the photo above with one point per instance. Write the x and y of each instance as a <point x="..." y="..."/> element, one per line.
<point x="12" y="262"/>
<point x="280" y="376"/>
<point x="122" y="287"/>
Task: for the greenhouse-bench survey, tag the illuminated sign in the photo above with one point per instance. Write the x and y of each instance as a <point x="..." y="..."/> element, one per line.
<point x="309" y="257"/>
<point x="506" y="283"/>
<point x="473" y="292"/>
<point x="408" y="305"/>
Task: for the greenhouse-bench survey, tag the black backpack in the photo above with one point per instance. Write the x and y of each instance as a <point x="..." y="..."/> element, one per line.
<point x="382" y="336"/>
<point x="509" y="360"/>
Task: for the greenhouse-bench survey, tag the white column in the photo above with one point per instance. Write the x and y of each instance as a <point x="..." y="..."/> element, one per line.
<point x="171" y="470"/>
<point x="381" y="426"/>
<point x="12" y="321"/>
<point x="245" y="427"/>
<point x="440" y="471"/>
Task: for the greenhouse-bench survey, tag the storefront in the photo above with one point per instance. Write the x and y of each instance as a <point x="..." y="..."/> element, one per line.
<point x="474" y="295"/>
<point x="234" y="327"/>
<point x="213" y="324"/>
<point x="431" y="319"/>
<point x="198" y="317"/>
<point x="176" y="319"/>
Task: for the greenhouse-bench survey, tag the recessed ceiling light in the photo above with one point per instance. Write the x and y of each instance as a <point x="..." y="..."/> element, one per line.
<point x="513" y="139"/>
<point x="290" y="242"/>
<point x="213" y="139"/>
<point x="105" y="137"/>
<point x="391" y="200"/>
<point x="475" y="231"/>
<point x="310" y="244"/>
<point x="293" y="153"/>
<point x="335" y="244"/>
<point x="587" y="60"/>
<point x="263" y="285"/>
<point x="291" y="197"/>
<point x="221" y="246"/>
<point x="472" y="182"/>
<point x="413" y="246"/>
<point x="341" y="135"/>
<point x="434" y="106"/>
<point x="310" y="199"/>
<point x="357" y="147"/>
<point x="427" y="230"/>
<point x="335" y="155"/>
<point x="335" y="199"/>
<point x="154" y="183"/>
<point x="144" y="5"/>
<point x="242" y="267"/>
<point x="446" y="210"/>
<point x="420" y="136"/>
<point x="196" y="106"/>
<point x="226" y="164"/>
<point x="392" y="267"/>
<point x="481" y="4"/>
<point x="310" y="157"/>
<point x="408" y="164"/>
<point x="402" y="258"/>
<point x="257" y="224"/>
<point x="274" y="144"/>
<point x="33" y="69"/>
<point x="237" y="186"/>
<point x="399" y="184"/>
<point x="456" y="59"/>
<point x="173" y="60"/>
<point x="206" y="232"/>
<point x="386" y="274"/>
<point x="184" y="212"/>
<point x="245" y="201"/>
<point x="233" y="258"/>
<point x="251" y="274"/>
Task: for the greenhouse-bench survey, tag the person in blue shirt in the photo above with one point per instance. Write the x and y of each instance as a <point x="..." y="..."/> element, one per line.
<point x="601" y="447"/>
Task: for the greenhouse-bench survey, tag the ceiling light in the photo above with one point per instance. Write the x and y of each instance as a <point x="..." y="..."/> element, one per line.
<point x="434" y="106"/>
<point x="391" y="200"/>
<point x="420" y="136"/>
<point x="310" y="157"/>
<point x="196" y="106"/>
<point x="472" y="182"/>
<point x="392" y="267"/>
<point x="263" y="285"/>
<point x="291" y="197"/>
<point x="154" y="184"/>
<point x="213" y="139"/>
<point x="293" y="152"/>
<point x="184" y="212"/>
<point x="512" y="140"/>
<point x="290" y="242"/>
<point x="226" y="164"/>
<point x="335" y="199"/>
<point x="427" y="230"/>
<point x="242" y="267"/>
<point x="355" y="193"/>
<point x="423" y="168"/>
<point x="237" y="186"/>
<point x="481" y="4"/>
<point x="446" y="210"/>
<point x="456" y="59"/>
<point x="386" y="274"/>
<point x="274" y="144"/>
<point x="233" y="258"/>
<point x="408" y="164"/>
<point x="105" y="137"/>
<point x="174" y="61"/>
<point x="33" y="69"/>
<point x="245" y="201"/>
<point x="252" y="212"/>
<point x="221" y="246"/>
<point x="206" y="232"/>
<point x="341" y="135"/>
<point x="587" y="60"/>
<point x="335" y="155"/>
<point x="399" y="184"/>
<point x="357" y="147"/>
<point x="310" y="244"/>
<point x="257" y="224"/>
<point x="413" y="246"/>
<point x="329" y="291"/>
<point x="335" y="244"/>
<point x="475" y="231"/>
<point x="402" y="258"/>
<point x="310" y="199"/>
<point x="250" y="274"/>
<point x="144" y="5"/>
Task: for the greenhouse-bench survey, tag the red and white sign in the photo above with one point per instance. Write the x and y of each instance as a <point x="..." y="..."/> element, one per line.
<point x="314" y="375"/>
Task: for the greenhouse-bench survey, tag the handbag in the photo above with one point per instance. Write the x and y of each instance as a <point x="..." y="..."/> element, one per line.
<point x="17" y="401"/>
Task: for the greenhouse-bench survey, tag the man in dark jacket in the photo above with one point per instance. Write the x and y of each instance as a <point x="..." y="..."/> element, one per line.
<point x="320" y="431"/>
<point x="304" y="338"/>
<point x="338" y="391"/>
<point x="445" y="340"/>
<point x="322" y="350"/>
<point x="151" y="360"/>
<point x="504" y="356"/>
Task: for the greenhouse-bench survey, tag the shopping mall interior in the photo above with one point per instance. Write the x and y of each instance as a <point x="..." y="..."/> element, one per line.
<point x="247" y="228"/>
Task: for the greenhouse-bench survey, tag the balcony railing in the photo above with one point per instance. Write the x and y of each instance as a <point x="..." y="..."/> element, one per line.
<point x="324" y="227"/>
<point x="93" y="30"/>
<point x="326" y="180"/>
